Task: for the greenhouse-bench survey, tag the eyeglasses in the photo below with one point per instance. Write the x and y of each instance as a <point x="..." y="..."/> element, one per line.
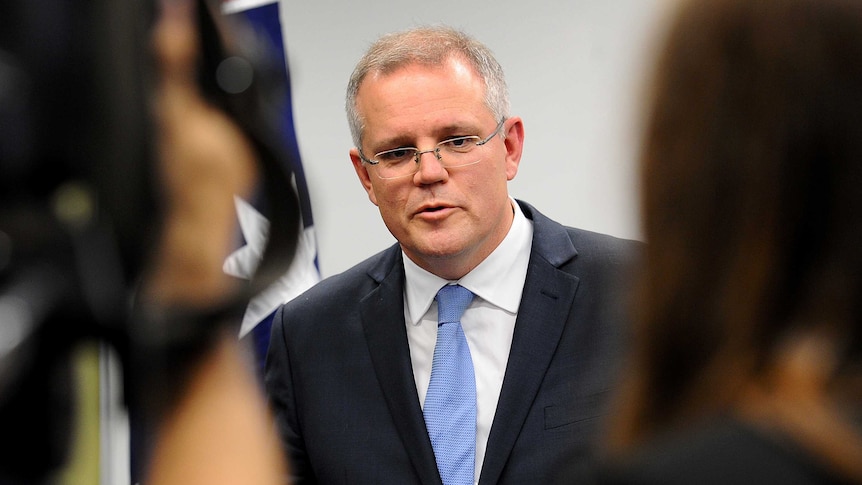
<point x="451" y="153"/>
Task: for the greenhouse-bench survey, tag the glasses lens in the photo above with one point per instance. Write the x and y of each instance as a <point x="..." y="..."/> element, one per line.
<point x="396" y="163"/>
<point x="457" y="152"/>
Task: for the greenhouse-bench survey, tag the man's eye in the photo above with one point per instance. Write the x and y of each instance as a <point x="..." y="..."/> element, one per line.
<point x="462" y="143"/>
<point x="394" y="156"/>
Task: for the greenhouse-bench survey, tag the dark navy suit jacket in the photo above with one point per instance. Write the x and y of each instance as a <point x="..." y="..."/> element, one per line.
<point x="340" y="380"/>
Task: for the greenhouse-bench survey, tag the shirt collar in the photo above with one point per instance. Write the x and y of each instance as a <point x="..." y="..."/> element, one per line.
<point x="499" y="279"/>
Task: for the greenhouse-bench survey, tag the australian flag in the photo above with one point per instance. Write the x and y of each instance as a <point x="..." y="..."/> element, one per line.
<point x="264" y="18"/>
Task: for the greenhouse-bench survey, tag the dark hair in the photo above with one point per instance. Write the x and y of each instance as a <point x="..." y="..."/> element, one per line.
<point x="752" y="202"/>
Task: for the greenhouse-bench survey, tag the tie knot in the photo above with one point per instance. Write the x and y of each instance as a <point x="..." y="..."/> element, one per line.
<point x="452" y="300"/>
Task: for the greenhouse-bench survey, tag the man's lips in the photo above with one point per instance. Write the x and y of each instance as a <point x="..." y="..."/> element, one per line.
<point x="434" y="210"/>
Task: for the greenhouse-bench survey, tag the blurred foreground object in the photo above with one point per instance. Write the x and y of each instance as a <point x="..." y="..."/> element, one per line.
<point x="76" y="207"/>
<point x="117" y="178"/>
<point x="748" y="357"/>
<point x="220" y="431"/>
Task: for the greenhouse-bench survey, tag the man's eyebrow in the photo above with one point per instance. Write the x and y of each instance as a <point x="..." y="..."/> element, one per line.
<point x="398" y="141"/>
<point x="409" y="140"/>
<point x="457" y="130"/>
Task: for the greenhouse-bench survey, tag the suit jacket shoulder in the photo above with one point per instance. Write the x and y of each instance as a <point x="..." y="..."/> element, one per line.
<point x="598" y="247"/>
<point x="339" y="292"/>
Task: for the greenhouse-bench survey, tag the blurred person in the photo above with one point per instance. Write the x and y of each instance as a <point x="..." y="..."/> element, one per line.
<point x="118" y="179"/>
<point x="353" y="363"/>
<point x="748" y="360"/>
<point x="218" y="429"/>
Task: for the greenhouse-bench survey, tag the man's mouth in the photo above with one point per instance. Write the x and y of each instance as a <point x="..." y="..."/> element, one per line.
<point x="434" y="210"/>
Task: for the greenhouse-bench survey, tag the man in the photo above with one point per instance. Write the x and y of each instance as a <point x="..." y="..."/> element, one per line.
<point x="351" y="360"/>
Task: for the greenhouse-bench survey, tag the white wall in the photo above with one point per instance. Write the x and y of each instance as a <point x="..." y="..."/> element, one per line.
<point x="575" y="68"/>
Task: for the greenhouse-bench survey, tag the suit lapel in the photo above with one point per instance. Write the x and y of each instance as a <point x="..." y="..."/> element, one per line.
<point x="545" y="306"/>
<point x="382" y="313"/>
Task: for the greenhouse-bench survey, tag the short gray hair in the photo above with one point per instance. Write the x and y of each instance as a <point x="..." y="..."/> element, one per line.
<point x="428" y="46"/>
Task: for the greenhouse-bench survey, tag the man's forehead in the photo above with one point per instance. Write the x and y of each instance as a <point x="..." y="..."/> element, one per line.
<point x="454" y="63"/>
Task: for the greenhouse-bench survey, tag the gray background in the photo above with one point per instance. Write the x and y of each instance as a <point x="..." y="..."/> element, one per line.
<point x="577" y="71"/>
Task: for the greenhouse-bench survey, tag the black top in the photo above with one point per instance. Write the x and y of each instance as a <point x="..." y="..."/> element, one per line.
<point x="722" y="451"/>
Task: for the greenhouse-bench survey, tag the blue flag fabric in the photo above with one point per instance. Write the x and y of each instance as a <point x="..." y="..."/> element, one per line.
<point x="263" y="16"/>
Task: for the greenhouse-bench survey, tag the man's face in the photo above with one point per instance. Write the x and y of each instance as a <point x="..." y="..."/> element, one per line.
<point x="447" y="220"/>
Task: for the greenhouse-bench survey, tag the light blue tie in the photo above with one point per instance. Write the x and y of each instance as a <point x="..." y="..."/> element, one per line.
<point x="450" y="404"/>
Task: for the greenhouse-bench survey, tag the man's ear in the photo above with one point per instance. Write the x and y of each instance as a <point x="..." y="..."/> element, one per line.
<point x="362" y="173"/>
<point x="514" y="141"/>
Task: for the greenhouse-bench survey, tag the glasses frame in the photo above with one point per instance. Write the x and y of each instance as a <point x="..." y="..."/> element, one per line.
<point x="417" y="156"/>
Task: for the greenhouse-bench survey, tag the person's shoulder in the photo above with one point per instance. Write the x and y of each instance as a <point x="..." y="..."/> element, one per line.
<point x="348" y="285"/>
<point x="579" y="246"/>
<point x="584" y="238"/>
<point x="579" y="237"/>
<point x="719" y="451"/>
<point x="604" y="247"/>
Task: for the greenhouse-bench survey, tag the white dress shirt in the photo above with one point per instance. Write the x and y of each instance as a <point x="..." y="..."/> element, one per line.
<point x="488" y="323"/>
